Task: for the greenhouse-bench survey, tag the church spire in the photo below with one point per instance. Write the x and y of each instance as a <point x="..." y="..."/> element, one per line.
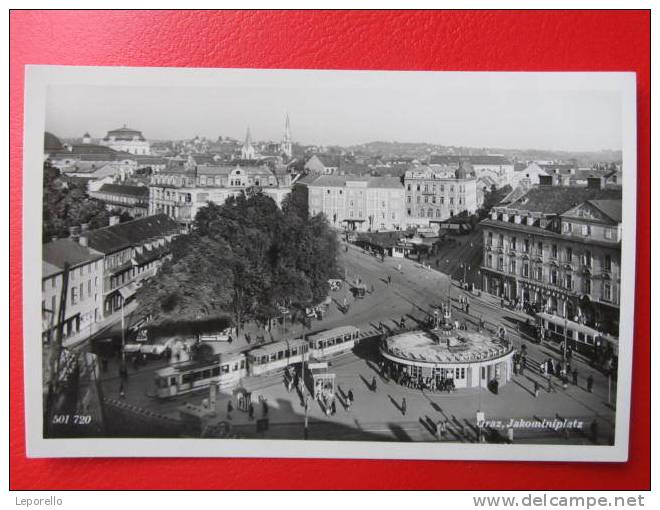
<point x="285" y="146"/>
<point x="247" y="151"/>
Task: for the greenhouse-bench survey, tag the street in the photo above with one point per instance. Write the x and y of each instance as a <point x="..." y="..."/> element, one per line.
<point x="377" y="414"/>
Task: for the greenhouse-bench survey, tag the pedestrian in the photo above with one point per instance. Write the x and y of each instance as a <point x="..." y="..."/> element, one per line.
<point x="590" y="383"/>
<point x="594" y="431"/>
<point x="467" y="308"/>
<point x="575" y="377"/>
<point x="403" y="406"/>
<point x="373" y="383"/>
<point x="251" y="411"/>
<point x="389" y="279"/>
<point x="536" y="389"/>
<point x="264" y="408"/>
<point x="443" y="429"/>
<point x="350" y="397"/>
<point x="230" y="408"/>
<point x="333" y="407"/>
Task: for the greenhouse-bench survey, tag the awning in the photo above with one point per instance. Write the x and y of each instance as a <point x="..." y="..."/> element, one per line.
<point x="128" y="291"/>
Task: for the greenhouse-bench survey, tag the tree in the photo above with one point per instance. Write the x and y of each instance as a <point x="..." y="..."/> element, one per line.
<point x="67" y="204"/>
<point x="245" y="258"/>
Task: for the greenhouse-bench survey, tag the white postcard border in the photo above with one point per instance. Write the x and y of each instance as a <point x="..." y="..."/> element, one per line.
<point x="37" y="80"/>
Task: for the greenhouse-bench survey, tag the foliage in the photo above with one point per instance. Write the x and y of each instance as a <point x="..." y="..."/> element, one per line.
<point x="67" y="204"/>
<point x="245" y="258"/>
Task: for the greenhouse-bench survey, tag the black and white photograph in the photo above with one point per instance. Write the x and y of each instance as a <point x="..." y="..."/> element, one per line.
<point x="367" y="264"/>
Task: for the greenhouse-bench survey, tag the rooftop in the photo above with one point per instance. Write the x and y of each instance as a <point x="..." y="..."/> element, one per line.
<point x="131" y="233"/>
<point x="453" y="346"/>
<point x="122" y="189"/>
<point x="559" y="199"/>
<point x="611" y="208"/>
<point x="56" y="253"/>
<point x="342" y="180"/>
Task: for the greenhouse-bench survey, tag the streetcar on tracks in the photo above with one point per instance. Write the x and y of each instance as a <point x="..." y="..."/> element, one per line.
<point x="579" y="337"/>
<point x="224" y="370"/>
<point x="276" y="356"/>
<point x="333" y="341"/>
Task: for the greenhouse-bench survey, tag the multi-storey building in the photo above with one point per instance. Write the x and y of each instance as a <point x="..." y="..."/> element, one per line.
<point x="560" y="248"/>
<point x="83" y="306"/>
<point x="131" y="199"/>
<point x="131" y="252"/>
<point x="357" y="202"/>
<point x="488" y="169"/>
<point x="433" y="195"/>
<point x="127" y="140"/>
<point x="182" y="191"/>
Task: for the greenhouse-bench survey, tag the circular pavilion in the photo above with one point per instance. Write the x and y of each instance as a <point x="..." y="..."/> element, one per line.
<point x="469" y="358"/>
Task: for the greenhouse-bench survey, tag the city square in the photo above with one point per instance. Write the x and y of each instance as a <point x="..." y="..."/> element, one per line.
<point x="252" y="285"/>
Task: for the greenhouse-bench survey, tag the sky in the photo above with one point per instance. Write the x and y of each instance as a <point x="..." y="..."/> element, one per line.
<point x="499" y="110"/>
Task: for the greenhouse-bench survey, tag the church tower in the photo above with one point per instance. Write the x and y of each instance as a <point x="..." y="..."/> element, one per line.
<point x="285" y="146"/>
<point x="247" y="151"/>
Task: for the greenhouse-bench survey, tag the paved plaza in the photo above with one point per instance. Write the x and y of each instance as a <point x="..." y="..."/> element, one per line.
<point x="378" y="413"/>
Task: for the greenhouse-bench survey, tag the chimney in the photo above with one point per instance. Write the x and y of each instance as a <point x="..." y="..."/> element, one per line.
<point x="545" y="181"/>
<point x="114" y="220"/>
<point x="83" y="241"/>
<point x="74" y="233"/>
<point x="593" y="183"/>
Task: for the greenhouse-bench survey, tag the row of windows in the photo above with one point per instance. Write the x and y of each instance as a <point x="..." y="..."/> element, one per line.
<point x="73" y="274"/>
<point x="567" y="281"/>
<point x="461" y="200"/>
<point x="286" y="353"/>
<point x="584" y="230"/>
<point x="554" y="252"/>
<point x="191" y="377"/>
<point x="434" y="189"/>
<point x="430" y="214"/>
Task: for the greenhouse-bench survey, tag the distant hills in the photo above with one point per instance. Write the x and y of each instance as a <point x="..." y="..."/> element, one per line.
<point x="389" y="150"/>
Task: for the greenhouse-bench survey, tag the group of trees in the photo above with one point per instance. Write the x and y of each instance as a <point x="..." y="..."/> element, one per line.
<point x="244" y="259"/>
<point x="67" y="204"/>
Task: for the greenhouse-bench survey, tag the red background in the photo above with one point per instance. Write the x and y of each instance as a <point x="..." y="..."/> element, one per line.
<point x="455" y="40"/>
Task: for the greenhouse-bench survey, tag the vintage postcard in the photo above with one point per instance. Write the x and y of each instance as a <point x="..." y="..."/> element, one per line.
<point x="353" y="264"/>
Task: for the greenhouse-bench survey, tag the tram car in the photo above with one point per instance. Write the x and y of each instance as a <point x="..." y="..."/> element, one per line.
<point x="580" y="337"/>
<point x="276" y="356"/>
<point x="224" y="370"/>
<point x="333" y="341"/>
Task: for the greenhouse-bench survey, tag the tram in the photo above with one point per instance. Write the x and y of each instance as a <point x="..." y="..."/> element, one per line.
<point x="580" y="337"/>
<point x="333" y="341"/>
<point x="276" y="356"/>
<point x="224" y="370"/>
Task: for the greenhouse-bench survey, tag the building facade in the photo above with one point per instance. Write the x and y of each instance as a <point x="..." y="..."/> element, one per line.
<point x="489" y="169"/>
<point x="127" y="140"/>
<point x="132" y="252"/>
<point x="433" y="196"/>
<point x="181" y="192"/>
<point x="558" y="248"/>
<point x="358" y="202"/>
<point x="83" y="305"/>
<point x="133" y="200"/>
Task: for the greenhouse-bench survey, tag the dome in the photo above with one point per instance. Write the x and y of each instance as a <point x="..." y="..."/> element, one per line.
<point x="51" y="142"/>
<point x="461" y="172"/>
